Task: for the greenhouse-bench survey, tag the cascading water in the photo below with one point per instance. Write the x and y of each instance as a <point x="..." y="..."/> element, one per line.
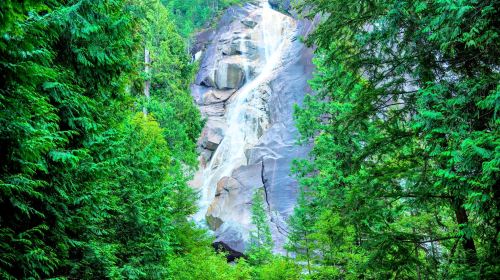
<point x="273" y="35"/>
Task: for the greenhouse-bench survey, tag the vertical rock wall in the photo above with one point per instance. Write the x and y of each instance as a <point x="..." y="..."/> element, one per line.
<point x="253" y="69"/>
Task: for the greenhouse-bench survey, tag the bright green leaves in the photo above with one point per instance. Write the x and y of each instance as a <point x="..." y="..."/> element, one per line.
<point x="405" y="134"/>
<point x="189" y="16"/>
<point x="171" y="74"/>
<point x="64" y="157"/>
<point x="261" y="242"/>
<point x="465" y="23"/>
<point x="29" y="131"/>
<point x="300" y="238"/>
<point x="132" y="203"/>
<point x="88" y="188"/>
<point x="279" y="268"/>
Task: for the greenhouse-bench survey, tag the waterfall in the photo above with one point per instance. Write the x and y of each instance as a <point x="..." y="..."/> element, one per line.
<point x="272" y="35"/>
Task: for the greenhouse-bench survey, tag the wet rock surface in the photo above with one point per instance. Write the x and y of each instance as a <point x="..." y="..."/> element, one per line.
<point x="229" y="75"/>
<point x="233" y="198"/>
<point x="251" y="105"/>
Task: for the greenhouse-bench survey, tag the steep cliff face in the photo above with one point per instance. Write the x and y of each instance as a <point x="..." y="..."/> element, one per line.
<point x="253" y="69"/>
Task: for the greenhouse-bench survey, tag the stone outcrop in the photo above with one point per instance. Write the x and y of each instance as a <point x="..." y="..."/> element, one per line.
<point x="221" y="72"/>
<point x="216" y="96"/>
<point x="242" y="46"/>
<point x="212" y="139"/>
<point x="233" y="199"/>
<point x="229" y="75"/>
<point x="227" y="192"/>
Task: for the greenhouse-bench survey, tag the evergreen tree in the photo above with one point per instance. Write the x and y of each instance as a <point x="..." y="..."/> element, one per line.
<point x="261" y="242"/>
<point x="300" y="237"/>
<point x="194" y="14"/>
<point x="62" y="66"/>
<point x="170" y="76"/>
<point x="89" y="189"/>
<point x="279" y="268"/>
<point x="405" y="133"/>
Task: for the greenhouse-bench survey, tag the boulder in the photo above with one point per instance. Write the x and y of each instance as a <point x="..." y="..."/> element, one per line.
<point x="213" y="110"/>
<point x="230" y="212"/>
<point x="206" y="41"/>
<point x="230" y="238"/>
<point x="226" y="187"/>
<point x="212" y="134"/>
<point x="223" y="95"/>
<point x="229" y="75"/>
<point x="212" y="139"/>
<point x="216" y="96"/>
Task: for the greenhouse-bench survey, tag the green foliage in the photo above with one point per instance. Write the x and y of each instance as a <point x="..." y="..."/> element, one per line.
<point x="58" y="75"/>
<point x="261" y="242"/>
<point x="300" y="237"/>
<point x="403" y="179"/>
<point x="279" y="268"/>
<point x="170" y="75"/>
<point x="204" y="264"/>
<point x="90" y="188"/>
<point x="192" y="15"/>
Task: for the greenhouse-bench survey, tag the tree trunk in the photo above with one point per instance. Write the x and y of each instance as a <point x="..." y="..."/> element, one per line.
<point x="467" y="242"/>
<point x="147" y="82"/>
<point x="419" y="277"/>
<point x="308" y="256"/>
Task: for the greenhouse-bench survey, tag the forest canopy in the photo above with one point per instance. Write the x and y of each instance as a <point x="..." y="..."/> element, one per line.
<point x="90" y="187"/>
<point x="404" y="177"/>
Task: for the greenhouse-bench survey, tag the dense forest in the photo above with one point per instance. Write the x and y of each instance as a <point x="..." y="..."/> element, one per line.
<point x="404" y="181"/>
<point x="98" y="141"/>
<point x="91" y="187"/>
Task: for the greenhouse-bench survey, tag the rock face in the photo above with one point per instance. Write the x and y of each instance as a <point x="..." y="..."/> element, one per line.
<point x="253" y="71"/>
<point x="240" y="46"/>
<point x="235" y="193"/>
<point x="229" y="75"/>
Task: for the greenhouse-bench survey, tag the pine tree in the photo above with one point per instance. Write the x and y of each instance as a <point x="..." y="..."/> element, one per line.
<point x="89" y="189"/>
<point x="405" y="136"/>
<point x="190" y="16"/>
<point x="300" y="237"/>
<point x="261" y="242"/>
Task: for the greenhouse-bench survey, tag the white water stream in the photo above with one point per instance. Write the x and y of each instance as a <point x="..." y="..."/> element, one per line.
<point x="272" y="36"/>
